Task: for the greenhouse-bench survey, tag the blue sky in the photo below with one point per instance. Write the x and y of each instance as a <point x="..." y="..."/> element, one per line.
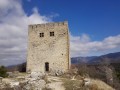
<point x="94" y="26"/>
<point x="97" y="18"/>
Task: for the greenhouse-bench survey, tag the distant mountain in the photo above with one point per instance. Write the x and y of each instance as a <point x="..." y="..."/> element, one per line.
<point x="19" y="67"/>
<point x="111" y="57"/>
<point x="76" y="60"/>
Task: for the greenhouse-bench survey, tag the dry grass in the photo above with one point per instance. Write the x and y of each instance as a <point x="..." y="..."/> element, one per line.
<point x="79" y="85"/>
<point x="22" y="74"/>
<point x="102" y="85"/>
<point x="71" y="84"/>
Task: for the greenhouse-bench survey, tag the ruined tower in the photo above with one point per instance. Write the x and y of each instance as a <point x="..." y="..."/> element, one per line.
<point x="48" y="47"/>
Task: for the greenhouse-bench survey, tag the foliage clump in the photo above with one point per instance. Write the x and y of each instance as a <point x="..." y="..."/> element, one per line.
<point x="3" y="72"/>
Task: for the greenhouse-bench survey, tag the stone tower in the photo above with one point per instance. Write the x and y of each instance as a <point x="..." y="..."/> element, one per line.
<point x="48" y="47"/>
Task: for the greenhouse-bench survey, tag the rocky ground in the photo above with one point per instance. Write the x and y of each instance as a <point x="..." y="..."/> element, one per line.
<point x="38" y="81"/>
<point x="55" y="83"/>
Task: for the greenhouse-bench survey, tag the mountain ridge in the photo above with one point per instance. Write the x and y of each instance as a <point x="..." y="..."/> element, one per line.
<point x="111" y="57"/>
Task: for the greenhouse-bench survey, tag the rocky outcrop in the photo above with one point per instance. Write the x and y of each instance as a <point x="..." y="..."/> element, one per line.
<point x="40" y="81"/>
<point x="33" y="81"/>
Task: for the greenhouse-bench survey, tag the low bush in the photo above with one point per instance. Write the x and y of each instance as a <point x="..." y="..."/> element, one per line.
<point x="3" y="71"/>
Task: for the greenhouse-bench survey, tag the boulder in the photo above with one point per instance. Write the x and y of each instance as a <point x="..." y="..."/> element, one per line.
<point x="87" y="81"/>
<point x="36" y="75"/>
<point x="13" y="84"/>
<point x="34" y="84"/>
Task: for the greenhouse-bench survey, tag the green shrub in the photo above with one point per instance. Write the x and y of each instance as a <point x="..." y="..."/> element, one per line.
<point x="3" y="71"/>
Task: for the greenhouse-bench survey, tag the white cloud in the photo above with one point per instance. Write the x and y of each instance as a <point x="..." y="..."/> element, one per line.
<point x="13" y="30"/>
<point x="83" y="46"/>
<point x="37" y="18"/>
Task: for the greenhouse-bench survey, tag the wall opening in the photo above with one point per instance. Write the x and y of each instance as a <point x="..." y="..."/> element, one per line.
<point x="46" y="66"/>
<point x="41" y="34"/>
<point x="51" y="33"/>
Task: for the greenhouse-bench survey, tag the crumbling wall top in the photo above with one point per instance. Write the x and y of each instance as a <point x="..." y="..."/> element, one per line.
<point x="48" y="24"/>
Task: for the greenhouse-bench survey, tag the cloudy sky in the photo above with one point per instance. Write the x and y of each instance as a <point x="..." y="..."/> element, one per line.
<point x="94" y="25"/>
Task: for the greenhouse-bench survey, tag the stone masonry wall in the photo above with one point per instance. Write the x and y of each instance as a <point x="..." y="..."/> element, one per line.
<point x="51" y="49"/>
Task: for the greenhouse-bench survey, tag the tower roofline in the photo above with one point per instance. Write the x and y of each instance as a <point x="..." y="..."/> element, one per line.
<point x="49" y="24"/>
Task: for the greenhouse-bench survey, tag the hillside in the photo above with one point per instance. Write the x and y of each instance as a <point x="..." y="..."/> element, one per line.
<point x="111" y="57"/>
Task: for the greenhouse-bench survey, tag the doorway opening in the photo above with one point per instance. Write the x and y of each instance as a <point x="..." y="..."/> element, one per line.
<point x="46" y="66"/>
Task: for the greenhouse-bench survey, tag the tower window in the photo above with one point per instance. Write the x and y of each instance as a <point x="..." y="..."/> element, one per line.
<point x="41" y="34"/>
<point x="51" y="33"/>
